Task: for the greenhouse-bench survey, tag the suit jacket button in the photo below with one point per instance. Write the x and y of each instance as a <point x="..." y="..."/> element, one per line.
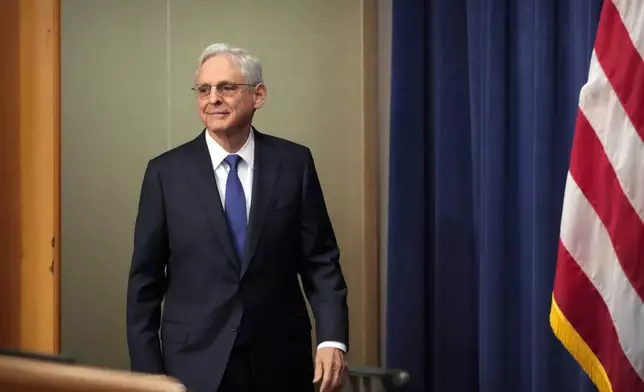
<point x="235" y="328"/>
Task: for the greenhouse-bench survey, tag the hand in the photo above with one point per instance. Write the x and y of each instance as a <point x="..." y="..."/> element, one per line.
<point x="331" y="368"/>
<point x="158" y="376"/>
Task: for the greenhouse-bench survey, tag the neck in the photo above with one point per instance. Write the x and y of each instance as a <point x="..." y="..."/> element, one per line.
<point x="231" y="141"/>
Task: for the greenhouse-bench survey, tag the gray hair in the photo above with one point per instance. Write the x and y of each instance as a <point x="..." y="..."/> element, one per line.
<point x="249" y="65"/>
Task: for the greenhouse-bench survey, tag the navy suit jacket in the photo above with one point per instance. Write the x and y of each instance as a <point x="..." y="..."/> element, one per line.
<point x="184" y="256"/>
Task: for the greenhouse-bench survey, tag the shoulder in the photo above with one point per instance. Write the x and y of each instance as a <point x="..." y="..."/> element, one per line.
<point x="178" y="155"/>
<point x="287" y="149"/>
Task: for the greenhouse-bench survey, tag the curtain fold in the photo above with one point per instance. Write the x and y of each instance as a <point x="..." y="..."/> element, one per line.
<point x="483" y="104"/>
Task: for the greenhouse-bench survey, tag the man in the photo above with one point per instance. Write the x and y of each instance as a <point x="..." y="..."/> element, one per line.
<point x="225" y="225"/>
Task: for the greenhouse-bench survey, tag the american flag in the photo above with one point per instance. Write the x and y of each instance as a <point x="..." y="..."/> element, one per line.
<point x="597" y="310"/>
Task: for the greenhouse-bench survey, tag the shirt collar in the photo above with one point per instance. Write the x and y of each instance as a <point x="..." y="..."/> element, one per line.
<point x="218" y="153"/>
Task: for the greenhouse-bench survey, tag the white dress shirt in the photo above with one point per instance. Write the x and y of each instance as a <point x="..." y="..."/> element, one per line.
<point x="245" y="172"/>
<point x="244" y="169"/>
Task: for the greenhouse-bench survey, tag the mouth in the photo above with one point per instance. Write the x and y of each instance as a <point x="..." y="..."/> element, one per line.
<point x="218" y="114"/>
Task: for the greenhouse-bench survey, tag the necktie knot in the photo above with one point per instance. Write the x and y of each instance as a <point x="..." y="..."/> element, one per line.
<point x="233" y="161"/>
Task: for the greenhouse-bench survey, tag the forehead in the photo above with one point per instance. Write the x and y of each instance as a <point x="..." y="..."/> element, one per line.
<point x="219" y="68"/>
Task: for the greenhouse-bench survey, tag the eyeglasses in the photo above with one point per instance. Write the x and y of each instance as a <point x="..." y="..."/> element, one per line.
<point x="225" y="89"/>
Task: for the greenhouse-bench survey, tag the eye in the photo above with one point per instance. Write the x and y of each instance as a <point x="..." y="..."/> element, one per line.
<point x="203" y="89"/>
<point x="228" y="87"/>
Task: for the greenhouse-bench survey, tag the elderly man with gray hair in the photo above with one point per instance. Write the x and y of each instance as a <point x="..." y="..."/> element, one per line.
<point x="226" y="223"/>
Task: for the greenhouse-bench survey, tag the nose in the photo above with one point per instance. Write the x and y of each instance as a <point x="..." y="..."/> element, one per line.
<point x="214" y="96"/>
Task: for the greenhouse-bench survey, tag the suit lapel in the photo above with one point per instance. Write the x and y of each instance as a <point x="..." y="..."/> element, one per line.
<point x="264" y="176"/>
<point x="205" y="185"/>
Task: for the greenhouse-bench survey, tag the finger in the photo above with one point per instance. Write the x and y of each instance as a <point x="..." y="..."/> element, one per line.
<point x="327" y="376"/>
<point x="344" y="374"/>
<point x="338" y="373"/>
<point x="318" y="371"/>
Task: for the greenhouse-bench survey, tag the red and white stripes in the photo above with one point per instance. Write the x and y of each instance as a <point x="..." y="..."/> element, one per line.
<point x="598" y="308"/>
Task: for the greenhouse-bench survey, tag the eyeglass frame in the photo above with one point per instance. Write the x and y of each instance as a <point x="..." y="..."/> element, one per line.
<point x="218" y="87"/>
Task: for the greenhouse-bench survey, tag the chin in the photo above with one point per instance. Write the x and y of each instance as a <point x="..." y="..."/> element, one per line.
<point x="217" y="126"/>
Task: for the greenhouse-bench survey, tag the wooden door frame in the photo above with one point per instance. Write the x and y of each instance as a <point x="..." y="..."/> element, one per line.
<point x="30" y="150"/>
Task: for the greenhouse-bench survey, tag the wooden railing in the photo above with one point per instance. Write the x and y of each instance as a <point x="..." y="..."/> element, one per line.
<point x="17" y="368"/>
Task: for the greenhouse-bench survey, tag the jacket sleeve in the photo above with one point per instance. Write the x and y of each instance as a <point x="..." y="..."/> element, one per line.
<point x="147" y="278"/>
<point x="322" y="277"/>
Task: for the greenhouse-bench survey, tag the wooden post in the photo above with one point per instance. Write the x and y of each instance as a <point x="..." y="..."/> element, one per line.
<point x="30" y="174"/>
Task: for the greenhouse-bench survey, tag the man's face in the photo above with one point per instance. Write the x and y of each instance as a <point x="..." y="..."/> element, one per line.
<point x="232" y="109"/>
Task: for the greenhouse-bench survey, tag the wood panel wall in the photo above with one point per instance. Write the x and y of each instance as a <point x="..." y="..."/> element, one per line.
<point x="371" y="271"/>
<point x="29" y="174"/>
<point x="10" y="228"/>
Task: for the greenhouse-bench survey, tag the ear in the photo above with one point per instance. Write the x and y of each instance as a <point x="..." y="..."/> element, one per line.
<point x="259" y="95"/>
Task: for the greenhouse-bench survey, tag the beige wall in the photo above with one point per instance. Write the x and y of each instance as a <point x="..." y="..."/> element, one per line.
<point x="127" y="69"/>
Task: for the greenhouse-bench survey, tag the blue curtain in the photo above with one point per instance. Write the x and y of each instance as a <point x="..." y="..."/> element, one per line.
<point x="483" y="107"/>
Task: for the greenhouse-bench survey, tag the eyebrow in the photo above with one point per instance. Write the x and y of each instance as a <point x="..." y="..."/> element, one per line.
<point x="222" y="82"/>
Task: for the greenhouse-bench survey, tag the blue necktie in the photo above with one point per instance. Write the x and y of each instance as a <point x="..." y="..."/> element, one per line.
<point x="235" y="205"/>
